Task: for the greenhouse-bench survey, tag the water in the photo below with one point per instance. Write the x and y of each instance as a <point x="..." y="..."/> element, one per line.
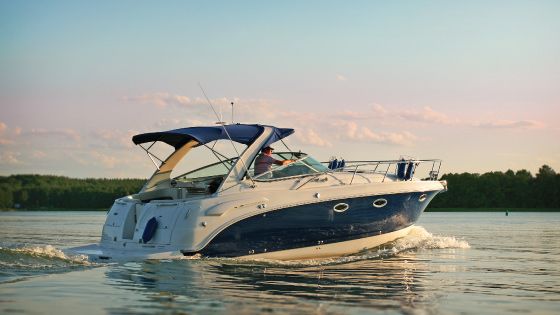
<point x="467" y="263"/>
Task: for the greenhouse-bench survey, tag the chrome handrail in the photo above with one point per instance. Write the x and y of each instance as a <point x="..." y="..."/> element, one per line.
<point x="348" y="165"/>
<point x="358" y="167"/>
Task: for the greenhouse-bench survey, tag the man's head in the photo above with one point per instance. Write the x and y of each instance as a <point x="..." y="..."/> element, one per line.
<point x="267" y="150"/>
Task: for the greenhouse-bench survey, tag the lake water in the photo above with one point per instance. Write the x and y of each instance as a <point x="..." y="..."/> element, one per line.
<point x="451" y="263"/>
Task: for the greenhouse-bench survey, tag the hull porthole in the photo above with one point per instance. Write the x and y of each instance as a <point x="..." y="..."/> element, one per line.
<point x="380" y="203"/>
<point x="422" y="197"/>
<point x="341" y="207"/>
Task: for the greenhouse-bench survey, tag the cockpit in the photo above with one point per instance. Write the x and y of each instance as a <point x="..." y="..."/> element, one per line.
<point x="208" y="178"/>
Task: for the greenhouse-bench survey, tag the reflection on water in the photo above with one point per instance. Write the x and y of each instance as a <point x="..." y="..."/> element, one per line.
<point x="388" y="283"/>
<point x="391" y="277"/>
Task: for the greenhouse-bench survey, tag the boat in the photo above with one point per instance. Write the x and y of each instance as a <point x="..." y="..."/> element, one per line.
<point x="304" y="209"/>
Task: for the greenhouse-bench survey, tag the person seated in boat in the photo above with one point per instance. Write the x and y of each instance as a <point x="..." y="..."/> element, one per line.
<point x="263" y="162"/>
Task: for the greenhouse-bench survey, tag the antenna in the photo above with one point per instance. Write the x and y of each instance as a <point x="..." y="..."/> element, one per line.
<point x="227" y="133"/>
<point x="232" y="113"/>
<point x="221" y="118"/>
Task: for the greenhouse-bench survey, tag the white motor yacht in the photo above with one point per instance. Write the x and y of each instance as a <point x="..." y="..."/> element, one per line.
<point x="304" y="209"/>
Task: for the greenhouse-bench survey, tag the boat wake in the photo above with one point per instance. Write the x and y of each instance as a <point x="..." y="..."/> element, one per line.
<point x="30" y="261"/>
<point x="20" y="262"/>
<point x="419" y="238"/>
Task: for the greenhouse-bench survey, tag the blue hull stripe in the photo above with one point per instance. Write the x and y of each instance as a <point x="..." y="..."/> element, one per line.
<point x="318" y="223"/>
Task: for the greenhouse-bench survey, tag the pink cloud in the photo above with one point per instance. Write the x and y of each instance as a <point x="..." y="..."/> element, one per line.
<point x="7" y="135"/>
<point x="311" y="137"/>
<point x="159" y="99"/>
<point x="164" y="99"/>
<point x="252" y="110"/>
<point x="426" y="115"/>
<point x="116" y="138"/>
<point x="375" y="111"/>
<point x="108" y="161"/>
<point x="170" y="123"/>
<point x="10" y="158"/>
<point x="340" y="77"/>
<point x="38" y="155"/>
<point x="69" y="134"/>
<point x="511" y="124"/>
<point x="349" y="130"/>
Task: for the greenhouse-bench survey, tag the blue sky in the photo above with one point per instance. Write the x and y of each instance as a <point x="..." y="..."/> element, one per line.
<point x="475" y="83"/>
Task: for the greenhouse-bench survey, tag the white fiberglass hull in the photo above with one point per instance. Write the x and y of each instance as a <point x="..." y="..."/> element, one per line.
<point x="97" y="253"/>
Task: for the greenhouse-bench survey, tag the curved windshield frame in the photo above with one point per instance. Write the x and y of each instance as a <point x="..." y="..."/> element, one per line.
<point x="304" y="165"/>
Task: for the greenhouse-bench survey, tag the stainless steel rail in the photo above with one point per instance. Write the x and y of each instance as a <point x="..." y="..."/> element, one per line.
<point x="386" y="166"/>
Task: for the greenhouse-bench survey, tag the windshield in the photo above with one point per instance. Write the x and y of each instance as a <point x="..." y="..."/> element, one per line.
<point x="212" y="170"/>
<point x="303" y="165"/>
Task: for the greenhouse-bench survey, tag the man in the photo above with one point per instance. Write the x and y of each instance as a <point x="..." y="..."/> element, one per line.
<point x="263" y="162"/>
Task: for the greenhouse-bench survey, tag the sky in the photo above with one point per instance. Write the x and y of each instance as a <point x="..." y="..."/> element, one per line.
<point x="475" y="83"/>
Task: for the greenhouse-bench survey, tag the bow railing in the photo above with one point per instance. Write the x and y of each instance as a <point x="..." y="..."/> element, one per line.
<point x="403" y="169"/>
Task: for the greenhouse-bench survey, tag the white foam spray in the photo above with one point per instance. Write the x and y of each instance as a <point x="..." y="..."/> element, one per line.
<point x="49" y="251"/>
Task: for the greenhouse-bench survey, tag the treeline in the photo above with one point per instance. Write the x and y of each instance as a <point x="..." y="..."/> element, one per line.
<point x="57" y="192"/>
<point x="501" y="190"/>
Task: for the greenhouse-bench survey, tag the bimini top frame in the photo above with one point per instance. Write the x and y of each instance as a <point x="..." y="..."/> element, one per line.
<point x="184" y="139"/>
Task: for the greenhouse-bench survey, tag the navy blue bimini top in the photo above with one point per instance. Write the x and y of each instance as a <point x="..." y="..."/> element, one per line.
<point x="244" y="134"/>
